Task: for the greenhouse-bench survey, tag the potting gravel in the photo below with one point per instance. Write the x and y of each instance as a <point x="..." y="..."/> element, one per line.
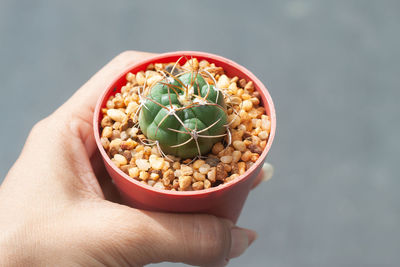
<point x="130" y="151"/>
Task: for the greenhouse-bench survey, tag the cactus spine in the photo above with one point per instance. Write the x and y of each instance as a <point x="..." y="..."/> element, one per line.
<point x="183" y="113"/>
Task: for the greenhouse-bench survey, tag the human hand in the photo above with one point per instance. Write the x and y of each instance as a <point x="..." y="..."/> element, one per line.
<point x="58" y="206"/>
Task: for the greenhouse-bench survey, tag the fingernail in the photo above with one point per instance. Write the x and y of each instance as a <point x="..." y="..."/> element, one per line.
<point x="241" y="240"/>
<point x="268" y="171"/>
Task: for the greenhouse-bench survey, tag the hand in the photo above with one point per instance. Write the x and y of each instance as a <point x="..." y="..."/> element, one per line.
<point x="58" y="206"/>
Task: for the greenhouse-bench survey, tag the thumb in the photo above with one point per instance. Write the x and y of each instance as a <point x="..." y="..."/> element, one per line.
<point x="196" y="239"/>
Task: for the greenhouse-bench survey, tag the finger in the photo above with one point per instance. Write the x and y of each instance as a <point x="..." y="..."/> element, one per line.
<point x="201" y="240"/>
<point x="265" y="174"/>
<point x="109" y="190"/>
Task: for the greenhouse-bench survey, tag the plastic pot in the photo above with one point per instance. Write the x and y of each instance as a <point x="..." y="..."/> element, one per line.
<point x="225" y="200"/>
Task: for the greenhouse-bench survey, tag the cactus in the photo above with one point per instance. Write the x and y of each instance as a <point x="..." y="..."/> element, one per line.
<point x="183" y="113"/>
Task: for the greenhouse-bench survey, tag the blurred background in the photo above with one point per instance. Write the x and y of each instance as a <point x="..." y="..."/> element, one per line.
<point x="332" y="68"/>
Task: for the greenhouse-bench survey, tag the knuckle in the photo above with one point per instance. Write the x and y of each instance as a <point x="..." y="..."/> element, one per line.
<point x="125" y="54"/>
<point x="213" y="236"/>
<point x="46" y="128"/>
<point x="39" y="127"/>
<point x="131" y="56"/>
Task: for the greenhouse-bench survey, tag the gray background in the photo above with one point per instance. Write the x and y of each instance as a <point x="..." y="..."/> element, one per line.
<point x="332" y="68"/>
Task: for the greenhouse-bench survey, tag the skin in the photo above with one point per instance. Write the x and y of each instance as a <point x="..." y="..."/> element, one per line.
<point x="58" y="206"/>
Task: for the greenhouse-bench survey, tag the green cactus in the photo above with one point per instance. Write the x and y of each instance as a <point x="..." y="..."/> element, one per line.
<point x="184" y="113"/>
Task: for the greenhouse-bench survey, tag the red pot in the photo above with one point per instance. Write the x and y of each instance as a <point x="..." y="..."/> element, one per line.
<point x="225" y="200"/>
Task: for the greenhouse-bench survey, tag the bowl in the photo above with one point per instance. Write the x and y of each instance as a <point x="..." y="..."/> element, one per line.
<point x="225" y="200"/>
